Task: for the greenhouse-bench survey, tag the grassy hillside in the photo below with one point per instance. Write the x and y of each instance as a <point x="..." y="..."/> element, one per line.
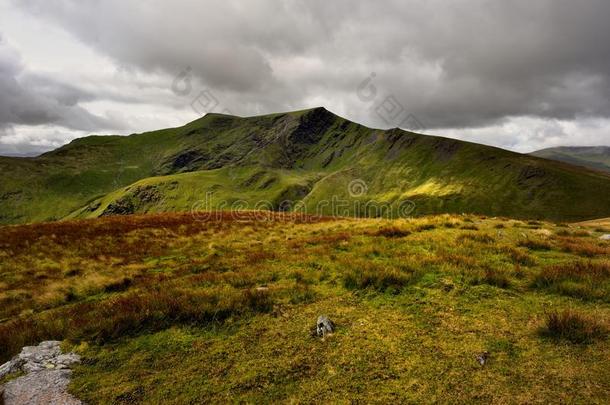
<point x="311" y="156"/>
<point x="179" y="308"/>
<point x="601" y="224"/>
<point x="594" y="157"/>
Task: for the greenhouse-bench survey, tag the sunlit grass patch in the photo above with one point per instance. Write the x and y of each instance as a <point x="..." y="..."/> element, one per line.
<point x="535" y="244"/>
<point x="477" y="237"/>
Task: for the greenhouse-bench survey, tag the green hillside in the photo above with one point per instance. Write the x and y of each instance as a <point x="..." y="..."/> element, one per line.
<point x="594" y="157"/>
<point x="328" y="164"/>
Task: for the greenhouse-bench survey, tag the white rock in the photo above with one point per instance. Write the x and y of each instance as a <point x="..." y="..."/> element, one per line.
<point x="605" y="237"/>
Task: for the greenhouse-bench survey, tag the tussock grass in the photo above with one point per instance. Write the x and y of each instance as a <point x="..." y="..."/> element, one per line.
<point x="425" y="227"/>
<point x="580" y="279"/>
<point x="379" y="278"/>
<point x="132" y="314"/>
<point x="477" y="237"/>
<point x="494" y="277"/>
<point x="574" y="327"/>
<point x="518" y="256"/>
<point x="392" y="232"/>
<point x="586" y="248"/>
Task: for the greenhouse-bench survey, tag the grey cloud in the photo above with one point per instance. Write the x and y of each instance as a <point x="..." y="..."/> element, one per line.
<point x="29" y="99"/>
<point x="461" y="64"/>
<point x="495" y="59"/>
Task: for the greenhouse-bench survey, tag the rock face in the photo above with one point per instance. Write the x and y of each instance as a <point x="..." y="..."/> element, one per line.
<point x="47" y="378"/>
<point x="324" y="326"/>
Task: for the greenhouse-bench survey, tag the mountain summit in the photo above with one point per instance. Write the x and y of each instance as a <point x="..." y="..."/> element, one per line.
<point x="310" y="156"/>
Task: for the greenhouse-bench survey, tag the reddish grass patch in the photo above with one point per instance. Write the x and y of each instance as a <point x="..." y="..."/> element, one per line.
<point x="574" y="327"/>
<point x="131" y="314"/>
<point x="577" y="271"/>
<point x="392" y="232"/>
<point x="583" y="247"/>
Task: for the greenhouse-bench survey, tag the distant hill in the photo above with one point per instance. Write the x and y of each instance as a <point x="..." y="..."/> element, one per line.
<point x="594" y="157"/>
<point x="311" y="156"/>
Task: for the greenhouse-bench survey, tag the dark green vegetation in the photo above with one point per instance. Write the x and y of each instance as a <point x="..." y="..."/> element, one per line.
<point x="309" y="156"/>
<point x="165" y="308"/>
<point x="594" y="157"/>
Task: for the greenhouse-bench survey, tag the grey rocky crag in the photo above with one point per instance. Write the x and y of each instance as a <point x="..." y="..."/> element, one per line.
<point x="47" y="376"/>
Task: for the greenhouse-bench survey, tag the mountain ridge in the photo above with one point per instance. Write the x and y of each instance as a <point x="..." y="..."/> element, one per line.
<point x="306" y="156"/>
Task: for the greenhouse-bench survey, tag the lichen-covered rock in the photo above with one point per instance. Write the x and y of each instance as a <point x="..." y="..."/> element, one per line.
<point x="47" y="378"/>
<point x="42" y="387"/>
<point x="324" y="326"/>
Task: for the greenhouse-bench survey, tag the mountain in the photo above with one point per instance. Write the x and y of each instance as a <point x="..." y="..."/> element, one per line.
<point x="594" y="157"/>
<point x="331" y="165"/>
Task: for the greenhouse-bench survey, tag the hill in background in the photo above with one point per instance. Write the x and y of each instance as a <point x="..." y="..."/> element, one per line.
<point x="311" y="156"/>
<point x="594" y="157"/>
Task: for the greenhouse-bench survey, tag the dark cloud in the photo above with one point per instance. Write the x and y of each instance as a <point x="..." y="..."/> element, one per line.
<point x="460" y="64"/>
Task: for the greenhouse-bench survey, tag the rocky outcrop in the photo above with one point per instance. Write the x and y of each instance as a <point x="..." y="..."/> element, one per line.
<point x="47" y="376"/>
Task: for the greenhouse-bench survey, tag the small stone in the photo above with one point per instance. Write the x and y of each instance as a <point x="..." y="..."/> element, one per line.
<point x="482" y="358"/>
<point x="605" y="237"/>
<point x="324" y="326"/>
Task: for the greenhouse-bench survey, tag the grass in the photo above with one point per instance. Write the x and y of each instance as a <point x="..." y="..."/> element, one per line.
<point x="180" y="308"/>
<point x="574" y="327"/>
<point x="378" y="278"/>
<point x="589" y="280"/>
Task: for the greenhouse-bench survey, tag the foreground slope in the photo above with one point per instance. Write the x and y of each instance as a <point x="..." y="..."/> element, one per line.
<point x="594" y="157"/>
<point x="176" y="308"/>
<point x="310" y="156"/>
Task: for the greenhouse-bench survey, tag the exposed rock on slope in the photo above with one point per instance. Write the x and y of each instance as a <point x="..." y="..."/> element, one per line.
<point x="47" y="376"/>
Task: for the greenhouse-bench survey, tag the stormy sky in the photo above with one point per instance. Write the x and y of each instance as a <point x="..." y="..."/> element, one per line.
<point x="518" y="74"/>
